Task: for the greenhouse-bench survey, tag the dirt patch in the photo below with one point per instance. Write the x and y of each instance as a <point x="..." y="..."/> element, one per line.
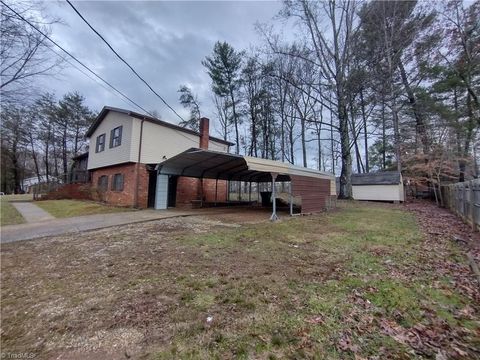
<point x="138" y="283"/>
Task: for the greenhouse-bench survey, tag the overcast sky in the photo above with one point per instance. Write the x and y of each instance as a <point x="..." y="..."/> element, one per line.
<point x="164" y="41"/>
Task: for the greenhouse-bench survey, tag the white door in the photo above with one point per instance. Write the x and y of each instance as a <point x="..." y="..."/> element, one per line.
<point x="161" y="195"/>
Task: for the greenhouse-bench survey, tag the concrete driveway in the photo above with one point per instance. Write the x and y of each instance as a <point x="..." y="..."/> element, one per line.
<point x="33" y="230"/>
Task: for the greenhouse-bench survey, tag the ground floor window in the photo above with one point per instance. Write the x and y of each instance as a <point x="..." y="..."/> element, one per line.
<point x="103" y="183"/>
<point x="117" y="183"/>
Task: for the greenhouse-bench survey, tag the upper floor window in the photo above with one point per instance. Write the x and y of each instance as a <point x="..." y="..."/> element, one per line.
<point x="100" y="145"/>
<point x="116" y="137"/>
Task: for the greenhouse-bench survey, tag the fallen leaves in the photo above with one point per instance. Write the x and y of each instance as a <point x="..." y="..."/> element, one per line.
<point x="434" y="339"/>
<point x="437" y="259"/>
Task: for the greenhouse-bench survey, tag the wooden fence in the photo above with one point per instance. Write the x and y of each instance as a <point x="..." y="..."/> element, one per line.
<point x="464" y="200"/>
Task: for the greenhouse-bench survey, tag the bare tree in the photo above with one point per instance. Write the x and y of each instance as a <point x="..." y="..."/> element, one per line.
<point x="25" y="54"/>
<point x="330" y="26"/>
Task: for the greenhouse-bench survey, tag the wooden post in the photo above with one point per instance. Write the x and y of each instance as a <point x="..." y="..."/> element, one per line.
<point x="216" y="188"/>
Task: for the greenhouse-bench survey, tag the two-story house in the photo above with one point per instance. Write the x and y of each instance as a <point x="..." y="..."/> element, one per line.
<point x="125" y="148"/>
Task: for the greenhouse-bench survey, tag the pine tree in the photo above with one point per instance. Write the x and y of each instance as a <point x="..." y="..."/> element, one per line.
<point x="224" y="68"/>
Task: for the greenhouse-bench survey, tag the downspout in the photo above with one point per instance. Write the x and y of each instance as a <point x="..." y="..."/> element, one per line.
<point x="137" y="166"/>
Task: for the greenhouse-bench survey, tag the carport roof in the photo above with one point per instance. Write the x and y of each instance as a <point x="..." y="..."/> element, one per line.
<point x="201" y="163"/>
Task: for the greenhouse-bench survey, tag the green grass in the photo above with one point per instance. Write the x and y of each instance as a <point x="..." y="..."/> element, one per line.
<point x="361" y="238"/>
<point x="8" y="214"/>
<point x="70" y="208"/>
<point x="308" y="287"/>
<point x="18" y="197"/>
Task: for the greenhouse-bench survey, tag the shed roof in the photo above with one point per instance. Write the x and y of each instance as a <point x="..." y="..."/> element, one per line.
<point x="218" y="165"/>
<point x="107" y="109"/>
<point x="377" y="178"/>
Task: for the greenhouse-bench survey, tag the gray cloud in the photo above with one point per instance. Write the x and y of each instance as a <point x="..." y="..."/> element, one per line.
<point x="164" y="41"/>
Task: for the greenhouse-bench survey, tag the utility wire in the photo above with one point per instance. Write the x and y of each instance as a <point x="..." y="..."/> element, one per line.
<point x="123" y="60"/>
<point x="73" y="57"/>
<point x="90" y="77"/>
<point x="85" y="66"/>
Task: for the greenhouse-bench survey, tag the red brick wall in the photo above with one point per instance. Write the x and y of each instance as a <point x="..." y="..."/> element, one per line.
<point x="314" y="192"/>
<point x="189" y="189"/>
<point x="127" y="196"/>
<point x="209" y="190"/>
<point x="70" y="191"/>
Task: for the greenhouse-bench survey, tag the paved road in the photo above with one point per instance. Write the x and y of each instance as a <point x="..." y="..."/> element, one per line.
<point x="53" y="227"/>
<point x="31" y="212"/>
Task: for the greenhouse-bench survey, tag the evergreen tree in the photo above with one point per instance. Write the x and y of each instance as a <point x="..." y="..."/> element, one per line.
<point x="224" y="67"/>
<point x="191" y="103"/>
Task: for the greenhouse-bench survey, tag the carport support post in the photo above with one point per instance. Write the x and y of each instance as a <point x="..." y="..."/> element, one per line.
<point x="274" y="207"/>
<point x="258" y="192"/>
<point x="291" y="199"/>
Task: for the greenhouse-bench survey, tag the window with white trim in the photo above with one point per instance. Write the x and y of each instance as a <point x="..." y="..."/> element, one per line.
<point x="100" y="145"/>
<point x="116" y="137"/>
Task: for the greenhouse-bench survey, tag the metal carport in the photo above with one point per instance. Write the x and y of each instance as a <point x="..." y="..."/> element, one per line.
<point x="310" y="184"/>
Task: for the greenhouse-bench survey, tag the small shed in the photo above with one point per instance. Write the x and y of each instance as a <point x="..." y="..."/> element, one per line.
<point x="378" y="186"/>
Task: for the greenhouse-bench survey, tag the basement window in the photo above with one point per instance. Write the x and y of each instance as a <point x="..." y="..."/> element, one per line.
<point x="116" y="137"/>
<point x="103" y="183"/>
<point x="117" y="183"/>
<point x="100" y="145"/>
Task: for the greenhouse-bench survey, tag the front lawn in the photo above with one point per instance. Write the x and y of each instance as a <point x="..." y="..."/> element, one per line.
<point x="8" y="214"/>
<point x="70" y="208"/>
<point x="359" y="282"/>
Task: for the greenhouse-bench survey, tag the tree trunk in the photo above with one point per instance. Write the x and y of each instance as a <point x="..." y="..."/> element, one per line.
<point x="332" y="142"/>
<point x="420" y="121"/>
<point x="235" y="122"/>
<point x="346" y="171"/>
<point x="364" y="119"/>
<point x="304" y="146"/>
<point x="34" y="158"/>
<point x="65" y="155"/>
<point x="396" y="136"/>
<point x="384" y="140"/>
<point x="47" y="159"/>
<point x="15" y="168"/>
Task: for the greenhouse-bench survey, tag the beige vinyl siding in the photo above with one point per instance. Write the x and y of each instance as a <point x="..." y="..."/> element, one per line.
<point x="333" y="187"/>
<point x="378" y="192"/>
<point x="116" y="155"/>
<point x="216" y="146"/>
<point x="160" y="141"/>
<point x="157" y="142"/>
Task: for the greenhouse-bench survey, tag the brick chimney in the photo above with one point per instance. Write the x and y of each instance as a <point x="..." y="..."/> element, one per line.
<point x="204" y="133"/>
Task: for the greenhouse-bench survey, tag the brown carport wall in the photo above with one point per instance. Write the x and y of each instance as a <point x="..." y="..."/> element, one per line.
<point x="313" y="191"/>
